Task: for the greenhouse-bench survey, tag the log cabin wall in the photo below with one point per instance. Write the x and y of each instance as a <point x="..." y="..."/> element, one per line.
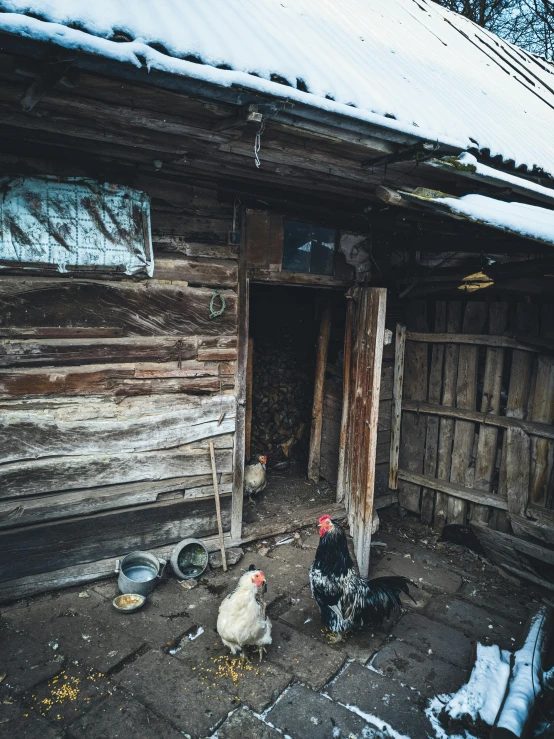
<point x="110" y="389"/>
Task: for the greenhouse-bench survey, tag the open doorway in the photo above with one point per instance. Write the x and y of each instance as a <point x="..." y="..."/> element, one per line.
<point x="284" y="326"/>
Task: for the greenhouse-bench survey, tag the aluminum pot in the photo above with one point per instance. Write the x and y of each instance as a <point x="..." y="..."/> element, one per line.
<point x="139" y="572"/>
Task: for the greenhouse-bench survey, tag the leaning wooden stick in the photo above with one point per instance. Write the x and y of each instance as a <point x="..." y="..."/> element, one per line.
<point x="217" y="508"/>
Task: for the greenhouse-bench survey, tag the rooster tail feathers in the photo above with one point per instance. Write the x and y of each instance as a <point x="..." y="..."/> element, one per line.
<point x="397" y="583"/>
<point x="383" y="597"/>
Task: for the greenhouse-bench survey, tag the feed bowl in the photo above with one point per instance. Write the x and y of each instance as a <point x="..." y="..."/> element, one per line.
<point x="128" y="602"/>
<point x="189" y="559"/>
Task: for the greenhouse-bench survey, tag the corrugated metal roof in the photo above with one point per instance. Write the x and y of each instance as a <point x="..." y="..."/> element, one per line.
<point x="408" y="64"/>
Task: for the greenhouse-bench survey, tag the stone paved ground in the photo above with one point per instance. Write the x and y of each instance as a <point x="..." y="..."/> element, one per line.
<point x="72" y="667"/>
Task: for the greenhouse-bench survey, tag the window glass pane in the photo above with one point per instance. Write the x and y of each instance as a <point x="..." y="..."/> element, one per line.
<point x="296" y="250"/>
<point x="323" y="250"/>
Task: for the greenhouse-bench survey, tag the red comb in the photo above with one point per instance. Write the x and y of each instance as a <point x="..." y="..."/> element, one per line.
<point x="324" y="518"/>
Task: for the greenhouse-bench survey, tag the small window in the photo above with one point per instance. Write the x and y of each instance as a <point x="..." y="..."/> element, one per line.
<point x="309" y="248"/>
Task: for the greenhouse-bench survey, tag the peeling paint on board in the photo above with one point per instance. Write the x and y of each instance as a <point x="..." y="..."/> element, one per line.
<point x="74" y="222"/>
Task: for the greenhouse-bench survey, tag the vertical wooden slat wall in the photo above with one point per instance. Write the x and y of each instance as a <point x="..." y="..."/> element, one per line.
<point x="477" y="441"/>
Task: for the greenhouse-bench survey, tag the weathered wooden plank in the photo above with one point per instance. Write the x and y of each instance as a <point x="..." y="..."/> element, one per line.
<point x="26" y="511"/>
<point x="21" y="439"/>
<point x="36" y="352"/>
<point x="72" y="473"/>
<point x="216" y="354"/>
<point x="137" y="308"/>
<point x="55" y="332"/>
<point x="521" y="373"/>
<point x="174" y="243"/>
<point x="517" y="470"/>
<point x="396" y="405"/>
<point x="196" y="270"/>
<point x="446" y="427"/>
<point x="506" y="342"/>
<point x="260" y="274"/>
<point x="257" y="238"/>
<point x="541" y="449"/>
<point x="537" y="522"/>
<point x="43" y="547"/>
<point x="488" y="419"/>
<point x="413" y="427"/>
<point x="115" y="380"/>
<point x="319" y="384"/>
<point x="434" y="396"/>
<point x="490" y="403"/>
<point x="453" y="489"/>
<point x="475" y="317"/>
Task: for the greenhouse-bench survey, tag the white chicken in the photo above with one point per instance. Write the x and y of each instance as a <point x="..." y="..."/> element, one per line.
<point x="254" y="476"/>
<point x="242" y="620"/>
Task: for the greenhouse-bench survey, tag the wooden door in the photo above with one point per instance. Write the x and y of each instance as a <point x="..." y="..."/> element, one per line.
<point x="363" y="353"/>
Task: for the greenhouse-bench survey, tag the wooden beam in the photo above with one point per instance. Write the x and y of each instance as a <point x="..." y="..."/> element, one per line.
<point x="453" y="489"/>
<point x="489" y="419"/>
<point x="51" y="74"/>
<point x="538" y="522"/>
<point x="518" y="460"/>
<point x="317" y="408"/>
<point x="543" y="412"/>
<point x="396" y="407"/>
<point x="473" y="339"/>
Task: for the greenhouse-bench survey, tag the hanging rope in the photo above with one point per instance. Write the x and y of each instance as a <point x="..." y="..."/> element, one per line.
<point x="217" y="313"/>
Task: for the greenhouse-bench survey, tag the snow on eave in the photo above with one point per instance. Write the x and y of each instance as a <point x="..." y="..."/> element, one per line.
<point x="520" y="219"/>
<point x="142" y="55"/>
<point x="467" y="165"/>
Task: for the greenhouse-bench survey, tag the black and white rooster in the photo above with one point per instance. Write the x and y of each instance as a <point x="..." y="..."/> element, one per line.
<point x="345" y="599"/>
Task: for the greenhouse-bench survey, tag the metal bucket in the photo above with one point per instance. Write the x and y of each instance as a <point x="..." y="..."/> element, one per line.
<point x="139" y="572"/>
<point x="189" y="558"/>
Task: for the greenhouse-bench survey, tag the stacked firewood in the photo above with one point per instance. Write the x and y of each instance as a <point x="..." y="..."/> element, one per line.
<point x="281" y="400"/>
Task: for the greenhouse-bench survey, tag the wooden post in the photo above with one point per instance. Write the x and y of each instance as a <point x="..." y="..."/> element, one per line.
<point x="342" y="476"/>
<point x="317" y="410"/>
<point x="434" y="396"/>
<point x="248" y="419"/>
<point x="217" y="507"/>
<point x="240" y="389"/>
<point x="475" y="317"/>
<point x="490" y="403"/>
<point x="446" y="426"/>
<point x="396" y="408"/>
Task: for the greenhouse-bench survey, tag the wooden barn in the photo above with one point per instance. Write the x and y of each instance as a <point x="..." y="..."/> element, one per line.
<point x="340" y="257"/>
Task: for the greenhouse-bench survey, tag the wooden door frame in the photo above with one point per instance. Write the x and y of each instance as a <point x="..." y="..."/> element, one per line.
<point x="364" y="339"/>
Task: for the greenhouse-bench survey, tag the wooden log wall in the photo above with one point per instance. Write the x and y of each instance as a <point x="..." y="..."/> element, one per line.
<point x="486" y="407"/>
<point x="110" y="390"/>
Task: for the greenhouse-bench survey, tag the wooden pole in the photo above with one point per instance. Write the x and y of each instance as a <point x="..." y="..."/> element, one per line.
<point x="248" y="420"/>
<point x="217" y="507"/>
<point x="317" y="410"/>
<point x="342" y="475"/>
<point x="396" y="410"/>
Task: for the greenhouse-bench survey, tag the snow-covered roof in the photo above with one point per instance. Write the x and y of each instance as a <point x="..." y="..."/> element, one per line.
<point x="409" y="65"/>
